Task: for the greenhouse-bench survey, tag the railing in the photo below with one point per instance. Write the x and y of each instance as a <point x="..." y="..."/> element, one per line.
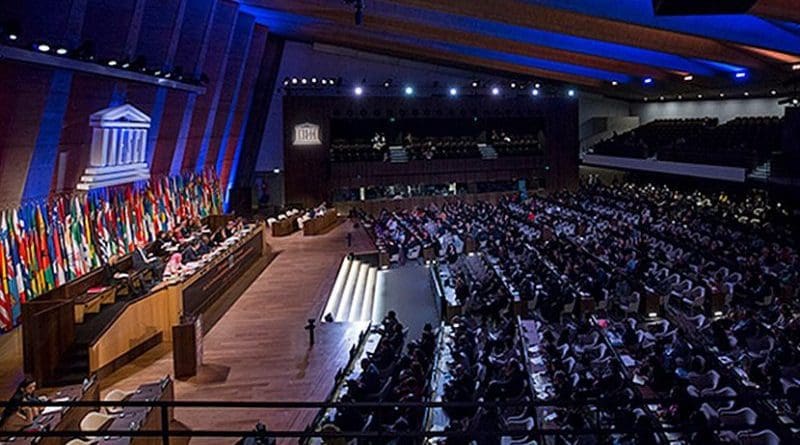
<point x="166" y="433"/>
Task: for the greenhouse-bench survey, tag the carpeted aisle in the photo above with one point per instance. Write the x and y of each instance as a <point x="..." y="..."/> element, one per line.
<point x="407" y="291"/>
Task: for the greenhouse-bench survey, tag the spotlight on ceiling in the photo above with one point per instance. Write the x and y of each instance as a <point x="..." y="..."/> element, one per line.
<point x="773" y="92"/>
<point x="332" y="81"/>
<point x="688" y="78"/>
<point x="721" y="94"/>
<point x="324" y="81"/>
<point x="43" y="47"/>
<point x="535" y="92"/>
<point x="513" y="85"/>
<point x="314" y="80"/>
<point x="157" y="73"/>
<point x="285" y="81"/>
<point x="537" y="85"/>
<point x="614" y="83"/>
<point x="61" y="51"/>
<point x="387" y="83"/>
<point x="454" y="91"/>
<point x="294" y="81"/>
<point x="409" y="90"/>
<point x="303" y="81"/>
<point x="746" y="93"/>
<point x="699" y="96"/>
<point x="113" y="62"/>
<point x="495" y="91"/>
<point x="648" y="80"/>
<point x="13" y="37"/>
<point x="358" y="91"/>
<point x="795" y="67"/>
<point x="741" y="75"/>
<point x="571" y="93"/>
<point x="475" y="84"/>
<point x="680" y="97"/>
<point x="661" y="98"/>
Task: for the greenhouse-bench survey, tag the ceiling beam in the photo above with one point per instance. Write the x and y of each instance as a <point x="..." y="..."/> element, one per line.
<point x="519" y="13"/>
<point x="788" y="10"/>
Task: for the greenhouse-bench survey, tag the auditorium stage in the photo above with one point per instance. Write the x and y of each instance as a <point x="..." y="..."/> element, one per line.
<point x="258" y="350"/>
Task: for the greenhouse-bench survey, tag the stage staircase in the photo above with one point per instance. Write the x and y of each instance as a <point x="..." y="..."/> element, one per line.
<point x="353" y="296"/>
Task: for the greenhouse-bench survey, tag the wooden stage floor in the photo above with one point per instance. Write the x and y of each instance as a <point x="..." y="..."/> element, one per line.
<point x="258" y="351"/>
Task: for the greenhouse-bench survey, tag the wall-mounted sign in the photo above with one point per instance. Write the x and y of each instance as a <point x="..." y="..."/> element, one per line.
<point x="119" y="148"/>
<point x="306" y="134"/>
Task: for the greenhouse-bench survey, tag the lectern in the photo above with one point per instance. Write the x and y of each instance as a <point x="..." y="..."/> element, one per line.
<point x="187" y="346"/>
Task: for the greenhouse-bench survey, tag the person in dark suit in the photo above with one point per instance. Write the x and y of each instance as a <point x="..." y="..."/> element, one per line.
<point x="204" y="246"/>
<point x="162" y="242"/>
<point x="191" y="252"/>
<point x="142" y="260"/>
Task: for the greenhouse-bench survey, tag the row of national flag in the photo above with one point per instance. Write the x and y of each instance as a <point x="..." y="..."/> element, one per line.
<point x="46" y="244"/>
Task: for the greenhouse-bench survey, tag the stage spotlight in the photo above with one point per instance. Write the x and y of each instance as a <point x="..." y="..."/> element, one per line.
<point x="61" y="51"/>
<point x="113" y="62"/>
<point x="358" y="91"/>
<point x="454" y="91"/>
<point x="688" y="78"/>
<point x="43" y="47"/>
<point x="409" y="90"/>
<point x="648" y="80"/>
<point x="535" y="92"/>
<point x="571" y="93"/>
<point x="495" y="91"/>
<point x="741" y="75"/>
<point x="294" y="81"/>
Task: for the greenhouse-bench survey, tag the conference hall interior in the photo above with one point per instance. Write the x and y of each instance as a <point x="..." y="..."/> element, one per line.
<point x="400" y="222"/>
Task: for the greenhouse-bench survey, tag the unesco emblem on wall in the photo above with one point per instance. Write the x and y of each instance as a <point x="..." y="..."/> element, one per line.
<point x="306" y="134"/>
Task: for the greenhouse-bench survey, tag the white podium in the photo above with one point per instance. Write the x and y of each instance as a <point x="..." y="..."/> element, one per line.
<point x="119" y="148"/>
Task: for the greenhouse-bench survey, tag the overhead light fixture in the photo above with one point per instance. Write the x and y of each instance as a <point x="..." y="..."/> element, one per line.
<point x="495" y="91"/>
<point x="746" y="94"/>
<point x="127" y="65"/>
<point x="645" y="99"/>
<point x="795" y="101"/>
<point x="773" y="92"/>
<point x="276" y="171"/>
<point x="358" y="91"/>
<point x="699" y="96"/>
<point x="43" y="47"/>
<point x="688" y="78"/>
<point x="513" y="85"/>
<point x="113" y="62"/>
<point x="571" y="93"/>
<point x="294" y="81"/>
<point x="661" y="98"/>
<point x="648" y="80"/>
<point x="652" y="314"/>
<point x="324" y="81"/>
<point x="303" y="81"/>
<point x="475" y="84"/>
<point x="721" y="94"/>
<point x="535" y="92"/>
<point x="795" y="67"/>
<point x="314" y="80"/>
<point x="454" y="91"/>
<point x="12" y="37"/>
<point x="680" y="97"/>
<point x="741" y="74"/>
<point x="409" y="90"/>
<point x="614" y="83"/>
<point x="157" y="73"/>
<point x="537" y="85"/>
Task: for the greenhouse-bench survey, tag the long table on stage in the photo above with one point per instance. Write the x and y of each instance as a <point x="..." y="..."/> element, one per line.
<point x="142" y="322"/>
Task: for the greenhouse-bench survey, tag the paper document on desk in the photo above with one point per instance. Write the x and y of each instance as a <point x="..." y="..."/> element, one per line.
<point x="55" y="409"/>
<point x="121" y="275"/>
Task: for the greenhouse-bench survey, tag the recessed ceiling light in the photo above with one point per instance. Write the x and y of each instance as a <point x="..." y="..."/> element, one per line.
<point x="746" y="93"/>
<point x="688" y="77"/>
<point x="721" y="94"/>
<point x="699" y="96"/>
<point x="614" y="83"/>
<point x="773" y="92"/>
<point x="796" y="67"/>
<point x="661" y="98"/>
<point x="537" y="85"/>
<point x="61" y="51"/>
<point x="680" y="97"/>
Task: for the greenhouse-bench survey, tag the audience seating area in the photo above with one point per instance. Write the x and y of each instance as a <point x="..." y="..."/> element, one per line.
<point x="741" y="142"/>
<point x="666" y="316"/>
